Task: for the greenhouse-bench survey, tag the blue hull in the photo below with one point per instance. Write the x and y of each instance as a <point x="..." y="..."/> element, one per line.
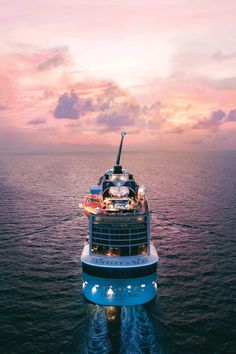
<point x="119" y="292"/>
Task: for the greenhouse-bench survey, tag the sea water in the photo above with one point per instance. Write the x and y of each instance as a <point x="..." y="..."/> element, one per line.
<point x="42" y="233"/>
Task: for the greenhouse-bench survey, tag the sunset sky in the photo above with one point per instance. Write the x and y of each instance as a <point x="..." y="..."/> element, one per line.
<point x="75" y="73"/>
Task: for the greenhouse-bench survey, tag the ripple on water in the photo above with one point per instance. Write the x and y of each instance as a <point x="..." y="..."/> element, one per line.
<point x="42" y="233"/>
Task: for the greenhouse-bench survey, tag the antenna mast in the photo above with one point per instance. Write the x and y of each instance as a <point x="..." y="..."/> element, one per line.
<point x="118" y="167"/>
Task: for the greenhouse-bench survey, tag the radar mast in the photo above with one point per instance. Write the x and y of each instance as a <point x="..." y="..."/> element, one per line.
<point x="118" y="167"/>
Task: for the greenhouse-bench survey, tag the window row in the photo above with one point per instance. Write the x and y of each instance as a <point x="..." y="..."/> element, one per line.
<point x="120" y="231"/>
<point x="119" y="237"/>
<point x="120" y="251"/>
<point x="119" y="243"/>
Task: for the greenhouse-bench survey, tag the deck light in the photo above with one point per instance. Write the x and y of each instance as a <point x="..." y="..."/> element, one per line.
<point x="110" y="292"/>
<point x="94" y="289"/>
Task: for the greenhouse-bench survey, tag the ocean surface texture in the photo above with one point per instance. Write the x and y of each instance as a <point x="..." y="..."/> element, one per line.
<point x="42" y="233"/>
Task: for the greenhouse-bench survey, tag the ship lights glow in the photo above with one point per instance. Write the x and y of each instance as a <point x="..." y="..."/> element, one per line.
<point x="154" y="284"/>
<point x="141" y="191"/>
<point x="110" y="292"/>
<point x="84" y="284"/>
<point x="119" y="179"/>
<point x="94" y="289"/>
<point x="119" y="191"/>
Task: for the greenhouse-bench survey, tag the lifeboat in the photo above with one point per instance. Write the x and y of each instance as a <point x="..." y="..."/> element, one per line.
<point x="92" y="204"/>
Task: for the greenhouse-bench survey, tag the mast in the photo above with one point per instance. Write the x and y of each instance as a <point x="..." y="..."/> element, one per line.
<point x="118" y="167"/>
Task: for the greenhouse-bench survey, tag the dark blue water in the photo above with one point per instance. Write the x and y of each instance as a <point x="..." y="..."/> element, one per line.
<point x="42" y="232"/>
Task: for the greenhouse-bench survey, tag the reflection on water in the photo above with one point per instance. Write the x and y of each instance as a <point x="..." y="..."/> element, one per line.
<point x="113" y="324"/>
<point x="120" y="330"/>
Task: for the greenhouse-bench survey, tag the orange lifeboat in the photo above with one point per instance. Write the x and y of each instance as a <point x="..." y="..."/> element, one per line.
<point x="92" y="204"/>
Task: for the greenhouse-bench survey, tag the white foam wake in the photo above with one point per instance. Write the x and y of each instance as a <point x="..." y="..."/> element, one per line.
<point x="97" y="340"/>
<point x="137" y="332"/>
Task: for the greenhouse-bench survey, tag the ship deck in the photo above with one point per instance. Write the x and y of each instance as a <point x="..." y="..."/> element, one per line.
<point x="97" y="260"/>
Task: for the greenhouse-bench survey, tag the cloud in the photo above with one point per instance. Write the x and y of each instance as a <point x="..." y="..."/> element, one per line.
<point x="67" y="106"/>
<point x="177" y="130"/>
<point x="220" y="57"/>
<point x="128" y="113"/>
<point x="71" y="106"/>
<point x="215" y="120"/>
<point x="231" y="117"/>
<point x="114" y="121"/>
<point x="52" y="62"/>
<point x="156" y="105"/>
<point x="3" y="107"/>
<point x="228" y="83"/>
<point x="120" y="109"/>
<point x="86" y="106"/>
<point x="109" y="108"/>
<point x="48" y="94"/>
<point x="196" y="141"/>
<point x="116" y="109"/>
<point x="112" y="95"/>
<point x="37" y="121"/>
<point x="212" y="122"/>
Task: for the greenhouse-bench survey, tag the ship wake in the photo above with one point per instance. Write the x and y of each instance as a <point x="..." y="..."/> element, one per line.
<point x="136" y="333"/>
<point x="97" y="340"/>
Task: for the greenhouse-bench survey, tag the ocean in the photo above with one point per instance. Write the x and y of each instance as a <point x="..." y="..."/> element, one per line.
<point x="42" y="232"/>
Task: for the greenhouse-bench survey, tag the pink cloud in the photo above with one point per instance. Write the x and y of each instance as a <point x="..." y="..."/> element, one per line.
<point x="146" y="67"/>
<point x="220" y="57"/>
<point x="212" y="122"/>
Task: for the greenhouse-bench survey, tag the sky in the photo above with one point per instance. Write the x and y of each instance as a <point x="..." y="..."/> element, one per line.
<point x="74" y="74"/>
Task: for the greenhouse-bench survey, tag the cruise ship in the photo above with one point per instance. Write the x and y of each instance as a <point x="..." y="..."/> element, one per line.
<point x="119" y="260"/>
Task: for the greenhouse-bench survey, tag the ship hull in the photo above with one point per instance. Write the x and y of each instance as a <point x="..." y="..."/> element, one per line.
<point x="119" y="281"/>
<point x="119" y="292"/>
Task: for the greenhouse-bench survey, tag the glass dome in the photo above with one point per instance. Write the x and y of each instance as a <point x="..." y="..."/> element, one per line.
<point x="119" y="179"/>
